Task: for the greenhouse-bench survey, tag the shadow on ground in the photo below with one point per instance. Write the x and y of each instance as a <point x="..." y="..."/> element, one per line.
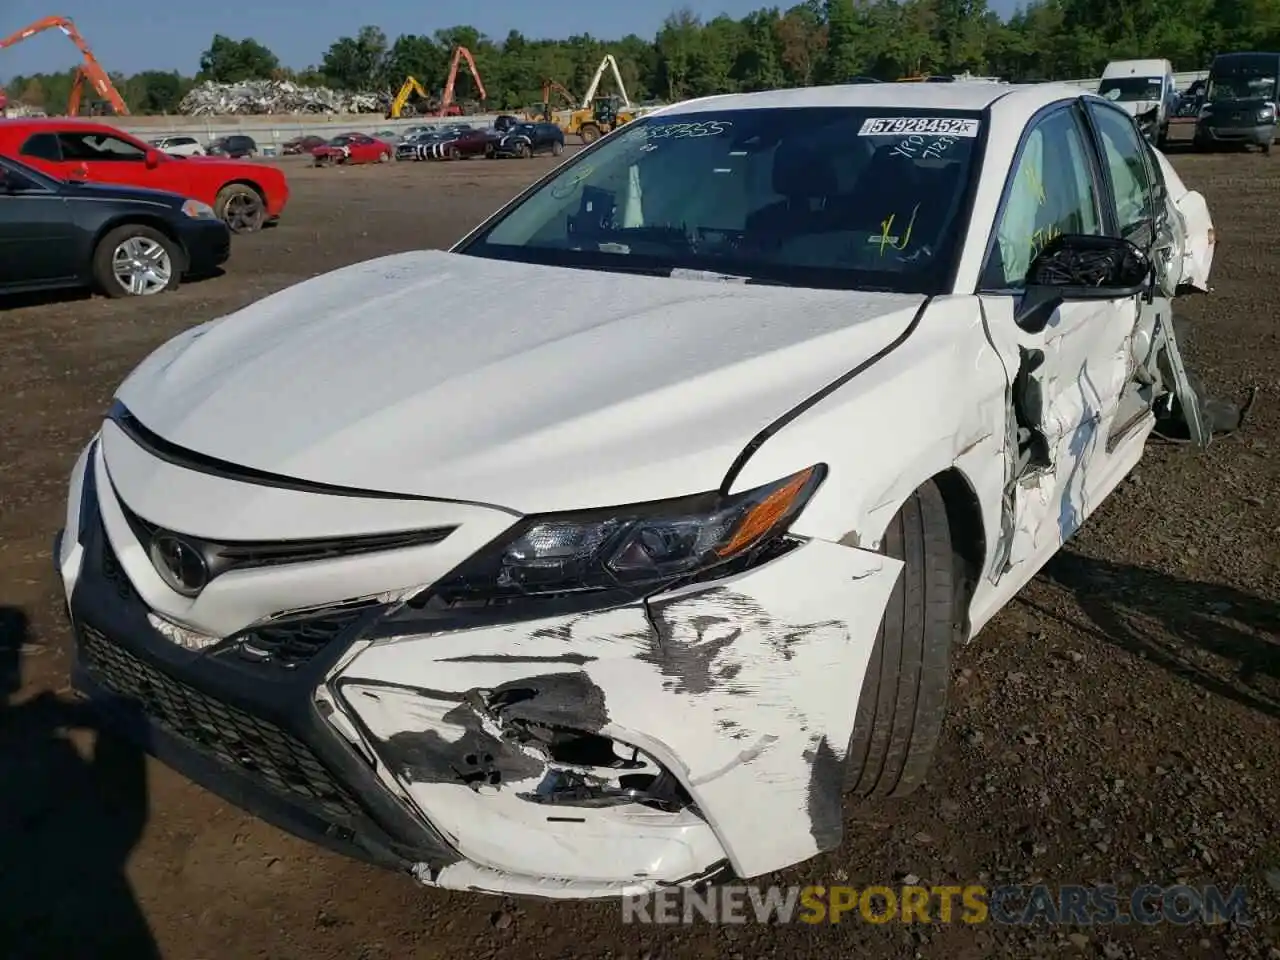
<point x="1218" y="637"/>
<point x="72" y="807"/>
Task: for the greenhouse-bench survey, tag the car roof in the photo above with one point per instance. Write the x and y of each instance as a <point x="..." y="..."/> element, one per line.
<point x="972" y="95"/>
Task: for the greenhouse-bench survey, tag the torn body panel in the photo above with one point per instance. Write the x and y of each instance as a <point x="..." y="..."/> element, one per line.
<point x="641" y="743"/>
<point x="1189" y="209"/>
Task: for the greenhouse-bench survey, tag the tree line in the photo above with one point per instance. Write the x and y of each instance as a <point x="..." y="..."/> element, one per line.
<point x="817" y="41"/>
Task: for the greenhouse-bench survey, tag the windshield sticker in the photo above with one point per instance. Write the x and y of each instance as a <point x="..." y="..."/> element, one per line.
<point x="898" y="126"/>
<point x="923" y="148"/>
<point x="688" y="131"/>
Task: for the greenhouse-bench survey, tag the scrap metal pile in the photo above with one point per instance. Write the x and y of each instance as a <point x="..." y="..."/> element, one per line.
<point x="275" y="96"/>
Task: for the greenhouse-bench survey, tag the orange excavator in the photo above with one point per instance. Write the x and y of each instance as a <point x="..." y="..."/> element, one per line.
<point x="89" y="70"/>
<point x="447" y="107"/>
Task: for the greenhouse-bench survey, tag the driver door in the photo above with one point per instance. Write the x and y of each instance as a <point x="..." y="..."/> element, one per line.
<point x="1065" y="380"/>
<point x="103" y="158"/>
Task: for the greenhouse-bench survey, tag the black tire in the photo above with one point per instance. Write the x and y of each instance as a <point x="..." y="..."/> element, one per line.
<point x="241" y="208"/>
<point x="904" y="694"/>
<point x="526" y="151"/>
<point x="455" y="153"/>
<point x="557" y="148"/>
<point x="589" y="133"/>
<point x="104" y="275"/>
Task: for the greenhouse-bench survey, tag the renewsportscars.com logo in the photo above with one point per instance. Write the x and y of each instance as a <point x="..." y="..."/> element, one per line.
<point x="1071" y="905"/>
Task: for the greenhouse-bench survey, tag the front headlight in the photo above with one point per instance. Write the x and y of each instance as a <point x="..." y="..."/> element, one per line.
<point x="1266" y="114"/>
<point x="198" y="211"/>
<point x="634" y="549"/>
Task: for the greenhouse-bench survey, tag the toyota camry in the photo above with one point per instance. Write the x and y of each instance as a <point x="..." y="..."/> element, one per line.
<point x="646" y="591"/>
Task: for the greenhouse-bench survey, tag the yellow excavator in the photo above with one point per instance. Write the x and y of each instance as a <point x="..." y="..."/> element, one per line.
<point x="407" y="89"/>
<point x="599" y="115"/>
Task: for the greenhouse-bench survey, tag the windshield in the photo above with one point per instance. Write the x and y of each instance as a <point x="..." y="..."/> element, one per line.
<point x="1244" y="81"/>
<point x="339" y="141"/>
<point x="1131" y="89"/>
<point x="815" y="196"/>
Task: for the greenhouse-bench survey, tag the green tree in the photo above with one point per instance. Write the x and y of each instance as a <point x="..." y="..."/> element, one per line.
<point x="231" y="61"/>
<point x="842" y="59"/>
<point x="358" y="63"/>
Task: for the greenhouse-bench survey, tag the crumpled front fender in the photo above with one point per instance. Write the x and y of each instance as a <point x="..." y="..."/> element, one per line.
<point x="744" y="690"/>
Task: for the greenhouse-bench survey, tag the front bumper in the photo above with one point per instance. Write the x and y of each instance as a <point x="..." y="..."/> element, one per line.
<point x="458" y="748"/>
<point x="207" y="244"/>
<point x="1244" y="132"/>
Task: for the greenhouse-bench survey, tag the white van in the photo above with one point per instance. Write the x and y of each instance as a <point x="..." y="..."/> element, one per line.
<point x="1139" y="86"/>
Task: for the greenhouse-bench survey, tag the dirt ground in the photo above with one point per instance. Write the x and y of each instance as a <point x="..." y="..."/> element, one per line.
<point x="1119" y="723"/>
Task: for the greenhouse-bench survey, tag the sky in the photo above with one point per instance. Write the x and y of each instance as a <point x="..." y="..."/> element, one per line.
<point x="133" y="35"/>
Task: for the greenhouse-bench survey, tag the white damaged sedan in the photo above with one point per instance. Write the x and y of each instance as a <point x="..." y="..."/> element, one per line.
<point x="628" y="577"/>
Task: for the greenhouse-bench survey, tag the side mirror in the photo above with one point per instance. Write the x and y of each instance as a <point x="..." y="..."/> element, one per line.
<point x="1075" y="267"/>
<point x="79" y="172"/>
<point x="153" y="159"/>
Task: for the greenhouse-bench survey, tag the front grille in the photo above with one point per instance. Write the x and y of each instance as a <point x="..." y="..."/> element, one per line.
<point x="230" y="735"/>
<point x="295" y="639"/>
<point x="249" y="554"/>
<point x="113" y="571"/>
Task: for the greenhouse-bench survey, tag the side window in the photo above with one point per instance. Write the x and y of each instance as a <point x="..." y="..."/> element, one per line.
<point x="1050" y="192"/>
<point x="1126" y="161"/>
<point x="98" y="146"/>
<point x="42" y="145"/>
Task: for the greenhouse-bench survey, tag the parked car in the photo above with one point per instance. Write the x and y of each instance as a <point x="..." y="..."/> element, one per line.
<point x="246" y="195"/>
<point x="1144" y="89"/>
<point x="418" y="147"/>
<point x="684" y="561"/>
<point x="123" y="241"/>
<point x="464" y="144"/>
<point x="300" y="145"/>
<point x="179" y="146"/>
<point x="353" y="148"/>
<point x="530" y="139"/>
<point x="235" y="147"/>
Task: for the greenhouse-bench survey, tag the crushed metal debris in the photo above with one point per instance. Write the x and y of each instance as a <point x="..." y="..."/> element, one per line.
<point x="275" y="97"/>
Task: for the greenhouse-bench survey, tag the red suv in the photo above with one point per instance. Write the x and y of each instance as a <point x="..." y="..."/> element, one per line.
<point x="246" y="195"/>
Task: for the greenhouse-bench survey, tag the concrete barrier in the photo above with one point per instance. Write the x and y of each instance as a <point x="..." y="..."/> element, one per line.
<point x="271" y="131"/>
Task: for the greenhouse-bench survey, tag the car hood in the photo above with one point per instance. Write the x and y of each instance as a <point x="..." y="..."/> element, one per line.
<point x="400" y="375"/>
<point x="1244" y="103"/>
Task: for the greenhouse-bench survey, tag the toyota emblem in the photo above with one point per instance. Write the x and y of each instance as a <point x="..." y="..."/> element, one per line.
<point x="180" y="565"/>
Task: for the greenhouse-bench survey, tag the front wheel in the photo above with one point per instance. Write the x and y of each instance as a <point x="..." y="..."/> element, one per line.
<point x="384" y="157"/>
<point x="589" y="133"/>
<point x="526" y="151"/>
<point x="136" y="261"/>
<point x="904" y="693"/>
<point x="557" y="148"/>
<point x="455" y="153"/>
<point x="241" y="207"/>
